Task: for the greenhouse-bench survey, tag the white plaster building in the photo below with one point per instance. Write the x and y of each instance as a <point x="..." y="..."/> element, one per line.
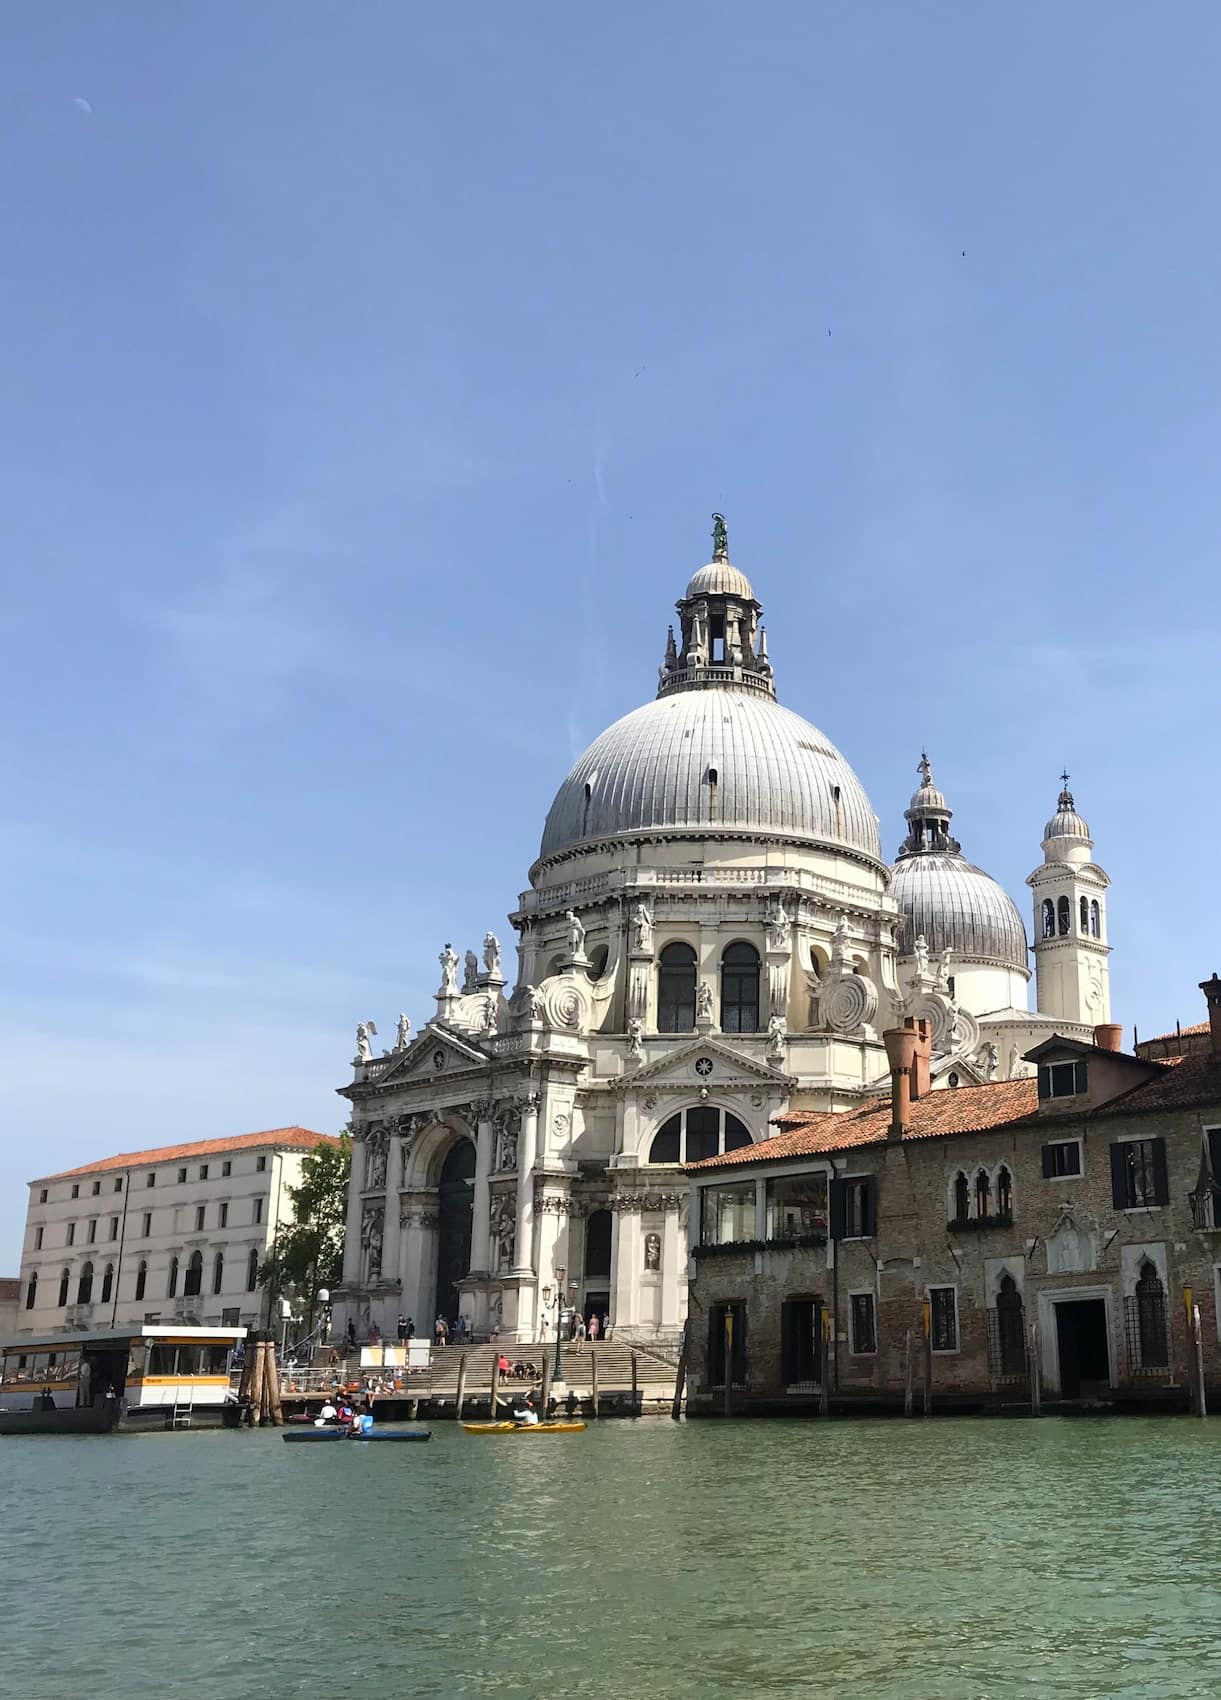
<point x="711" y="935"/>
<point x="175" y="1233"/>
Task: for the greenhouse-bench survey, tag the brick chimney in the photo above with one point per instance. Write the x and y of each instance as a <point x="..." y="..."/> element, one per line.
<point x="1212" y="992"/>
<point x="901" y="1043"/>
<point x="922" y="1071"/>
<point x="1109" y="1036"/>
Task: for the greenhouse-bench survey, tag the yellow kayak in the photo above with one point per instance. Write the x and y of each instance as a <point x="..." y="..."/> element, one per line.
<point x="524" y="1428"/>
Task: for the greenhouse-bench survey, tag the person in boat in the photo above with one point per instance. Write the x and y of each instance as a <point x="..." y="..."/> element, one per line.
<point x="524" y="1414"/>
<point x="46" y="1400"/>
<point x="326" y="1415"/>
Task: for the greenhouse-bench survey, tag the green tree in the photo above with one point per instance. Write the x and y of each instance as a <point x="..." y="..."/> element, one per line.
<point x="308" y="1250"/>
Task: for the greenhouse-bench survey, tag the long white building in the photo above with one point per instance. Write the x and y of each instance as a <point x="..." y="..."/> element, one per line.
<point x="177" y="1233"/>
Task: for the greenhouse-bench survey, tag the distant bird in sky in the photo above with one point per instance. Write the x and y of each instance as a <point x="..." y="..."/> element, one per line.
<point x="82" y="105"/>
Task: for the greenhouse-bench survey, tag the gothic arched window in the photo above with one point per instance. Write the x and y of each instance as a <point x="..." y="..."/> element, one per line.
<point x="740" y="989"/>
<point x="1085" y="914"/>
<point x="694" y="1134"/>
<point x="194" y="1277"/>
<point x="172" y="1284"/>
<point x="141" y="1277"/>
<point x="1004" y="1191"/>
<point x="218" y="1271"/>
<point x="84" y="1286"/>
<point x="1152" y="1342"/>
<point x="1049" y="918"/>
<point x="962" y="1197"/>
<point x="983" y="1194"/>
<point x="31" y="1291"/>
<point x="676" y="989"/>
<point x="64" y="1278"/>
<point x="107" y="1283"/>
<point x="1010" y="1327"/>
<point x="1064" y="913"/>
<point x="1095" y="920"/>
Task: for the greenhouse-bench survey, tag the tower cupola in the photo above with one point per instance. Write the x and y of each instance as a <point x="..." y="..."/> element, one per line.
<point x="721" y="639"/>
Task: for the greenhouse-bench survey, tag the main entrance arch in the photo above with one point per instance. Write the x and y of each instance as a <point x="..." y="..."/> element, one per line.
<point x="455" y="1202"/>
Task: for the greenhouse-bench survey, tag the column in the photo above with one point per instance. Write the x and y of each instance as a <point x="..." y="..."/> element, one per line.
<point x="625" y="1262"/>
<point x="353" y="1251"/>
<point x="527" y="1145"/>
<point x="481" y="1206"/>
<point x="673" y="1262"/>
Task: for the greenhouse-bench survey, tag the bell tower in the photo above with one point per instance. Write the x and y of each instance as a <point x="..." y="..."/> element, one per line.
<point x="1070" y="921"/>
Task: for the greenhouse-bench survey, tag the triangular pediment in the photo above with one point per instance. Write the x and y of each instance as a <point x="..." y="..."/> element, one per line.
<point x="727" y="1066"/>
<point x="435" y="1050"/>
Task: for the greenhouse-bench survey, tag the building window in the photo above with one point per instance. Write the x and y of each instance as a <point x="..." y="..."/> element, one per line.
<point x="962" y="1197"/>
<point x="114" y="1228"/>
<point x="1061" y="1158"/>
<point x="258" y="1211"/>
<point x="70" y="1238"/>
<point x="222" y="1214"/>
<point x="1049" y="918"/>
<point x="1063" y="1079"/>
<point x="252" y="1271"/>
<point x="983" y="1195"/>
<point x="1009" y="1331"/>
<point x="107" y="1283"/>
<point x="218" y="1272"/>
<point x="182" y="1175"/>
<point x="31" y="1290"/>
<point x="193" y="1280"/>
<point x="697" y="1133"/>
<point x="260" y="1162"/>
<point x="84" y="1285"/>
<point x="150" y="1179"/>
<point x="676" y="989"/>
<point x="1063" y="916"/>
<point x="854" y="1207"/>
<point x="97" y="1187"/>
<point x="203" y="1171"/>
<point x="147" y="1228"/>
<point x="118" y="1185"/>
<point x="1084" y="907"/>
<point x="141" y="1277"/>
<point x="943" y="1318"/>
<point x="93" y="1230"/>
<point x="1138" y="1174"/>
<point x="226" y="1167"/>
<point x="864" y="1324"/>
<point x="796" y="1206"/>
<point x="740" y="989"/>
<point x="199" y="1217"/>
<point x="1095" y="920"/>
<point x="64" y="1278"/>
<point x="38" y="1239"/>
<point x="1004" y="1193"/>
<point x="1147" y="1308"/>
<point x="727" y="1213"/>
<point x="76" y="1189"/>
<point x="42" y="1196"/>
<point x="171" y="1286"/>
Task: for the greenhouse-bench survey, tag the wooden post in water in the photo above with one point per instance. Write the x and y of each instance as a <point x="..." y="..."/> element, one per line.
<point x="728" y="1363"/>
<point x="824" y="1362"/>
<point x="927" y="1310"/>
<point x="246" y="1378"/>
<point x="274" y="1405"/>
<point x="1198" y="1340"/>
<point x="492" y="1417"/>
<point x="546" y="1392"/>
<point x="460" y="1398"/>
<point x="680" y="1377"/>
<point x="909" y="1367"/>
<point x="254" y="1346"/>
<point x="635" y="1389"/>
<point x="1036" y="1373"/>
<point x="269" y="1376"/>
<point x="593" y="1372"/>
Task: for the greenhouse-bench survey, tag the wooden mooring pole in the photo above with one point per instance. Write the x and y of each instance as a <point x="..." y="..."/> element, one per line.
<point x="1197" y="1334"/>
<point x="495" y="1385"/>
<point x="909" y="1376"/>
<point x="635" y="1388"/>
<point x="928" y="1357"/>
<point x="1036" y="1373"/>
<point x="729" y="1363"/>
<point x="680" y="1378"/>
<point x="546" y="1390"/>
<point x="824" y="1362"/>
<point x="593" y="1376"/>
<point x="460" y="1396"/>
<point x="274" y="1407"/>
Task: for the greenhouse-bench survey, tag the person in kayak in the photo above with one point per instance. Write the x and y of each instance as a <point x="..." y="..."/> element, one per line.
<point x="524" y="1414"/>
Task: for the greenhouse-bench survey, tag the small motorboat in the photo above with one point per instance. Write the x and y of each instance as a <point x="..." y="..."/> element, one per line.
<point x="524" y="1428"/>
<point x="307" y="1434"/>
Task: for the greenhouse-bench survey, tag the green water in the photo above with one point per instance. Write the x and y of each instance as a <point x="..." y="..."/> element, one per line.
<point x="961" y="1559"/>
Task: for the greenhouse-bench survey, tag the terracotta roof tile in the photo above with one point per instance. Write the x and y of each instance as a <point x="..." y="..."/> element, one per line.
<point x="286" y="1138"/>
<point x="1179" y="1083"/>
<point x="964" y="1109"/>
<point x="1179" y="1033"/>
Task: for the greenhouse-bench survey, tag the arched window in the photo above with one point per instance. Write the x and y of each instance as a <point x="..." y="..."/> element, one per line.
<point x="983" y="1195"/>
<point x="1152" y="1343"/>
<point x="1004" y="1191"/>
<point x="84" y="1285"/>
<point x="676" y="989"/>
<point x="1085" y="914"/>
<point x="252" y="1271"/>
<point x="218" y="1272"/>
<point x="1049" y="918"/>
<point x="64" y="1278"/>
<point x="699" y="1132"/>
<point x="107" y="1283"/>
<point x="597" y="961"/>
<point x="1064" y="913"/>
<point x="172" y="1284"/>
<point x="141" y="1278"/>
<point x="1095" y="920"/>
<point x="1010" y="1328"/>
<point x="193" y="1283"/>
<point x="740" y="989"/>
<point x="598" y="1243"/>
<point x="31" y="1291"/>
<point x="962" y="1197"/>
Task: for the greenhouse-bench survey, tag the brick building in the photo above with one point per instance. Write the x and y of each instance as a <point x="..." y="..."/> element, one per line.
<point x="1053" y="1223"/>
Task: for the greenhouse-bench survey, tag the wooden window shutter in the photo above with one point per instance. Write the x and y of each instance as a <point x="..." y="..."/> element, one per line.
<point x="1119" y="1177"/>
<point x="869" y="1226"/>
<point x="1081" y="1076"/>
<point x="1044" y="1081"/>
<point x="1161" y="1180"/>
<point x="1049" y="1163"/>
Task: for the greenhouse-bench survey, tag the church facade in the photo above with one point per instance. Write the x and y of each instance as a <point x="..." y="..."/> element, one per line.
<point x="711" y="937"/>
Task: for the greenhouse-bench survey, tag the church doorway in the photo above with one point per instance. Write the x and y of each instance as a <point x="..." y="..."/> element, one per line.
<point x="455" y="1202"/>
<point x="1083" y="1348"/>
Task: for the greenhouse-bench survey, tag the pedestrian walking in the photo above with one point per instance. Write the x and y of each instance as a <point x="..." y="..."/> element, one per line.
<point x="606" y="1326"/>
<point x="593" y="1326"/>
<point x="402" y="1330"/>
<point x="581" y="1331"/>
<point x="441" y="1331"/>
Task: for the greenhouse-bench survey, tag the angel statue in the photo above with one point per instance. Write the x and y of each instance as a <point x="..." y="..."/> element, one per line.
<point x="364" y="1031"/>
<point x="491" y="953"/>
<point x="449" y="972"/>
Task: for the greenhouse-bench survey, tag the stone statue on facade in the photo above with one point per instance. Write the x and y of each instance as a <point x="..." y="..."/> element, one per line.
<point x="652" y="1251"/>
<point x="720" y="538"/>
<point x="506" y="1145"/>
<point x="839" y="948"/>
<point x="943" y="968"/>
<point x="989" y="1059"/>
<point x="776" y="1039"/>
<point x="503" y="1223"/>
<point x="779" y="927"/>
<point x="576" y="933"/>
<point x="920" y="953"/>
<point x="371" y="1241"/>
<point x="814" y="993"/>
<point x="642" y="928"/>
<point x="449" y="972"/>
<point x="635" y="1039"/>
<point x="703" y="1001"/>
<point x="490" y="1013"/>
<point x="1013" y="1062"/>
<point x="470" y="972"/>
<point x="403" y="1037"/>
<point x="491" y="953"/>
<point x="363" y="1032"/>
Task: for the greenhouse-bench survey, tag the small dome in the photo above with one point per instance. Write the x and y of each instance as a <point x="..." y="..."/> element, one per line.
<point x="928" y="797"/>
<point x="1066" y="822"/>
<point x="720" y="578"/>
<point x="958" y="906"/>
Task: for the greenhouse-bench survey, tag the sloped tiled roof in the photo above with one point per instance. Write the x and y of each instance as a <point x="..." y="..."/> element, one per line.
<point x="1179" y="1033"/>
<point x="285" y="1138"/>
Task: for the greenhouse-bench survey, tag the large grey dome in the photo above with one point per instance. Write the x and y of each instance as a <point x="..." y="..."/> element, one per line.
<point x="715" y="759"/>
<point x="957" y="905"/>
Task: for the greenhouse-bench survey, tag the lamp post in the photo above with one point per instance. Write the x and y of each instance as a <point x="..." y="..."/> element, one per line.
<point x="573" y="1288"/>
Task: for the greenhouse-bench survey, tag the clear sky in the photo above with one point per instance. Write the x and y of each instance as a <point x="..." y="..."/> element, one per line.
<point x="369" y="376"/>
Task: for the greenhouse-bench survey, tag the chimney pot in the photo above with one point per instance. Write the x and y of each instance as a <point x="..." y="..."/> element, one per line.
<point x="901" y="1043"/>
<point x="1108" y="1036"/>
<point x="1212" y="993"/>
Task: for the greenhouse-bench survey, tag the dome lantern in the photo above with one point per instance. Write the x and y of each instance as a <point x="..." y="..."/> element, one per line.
<point x="722" y="642"/>
<point x="1065" y="823"/>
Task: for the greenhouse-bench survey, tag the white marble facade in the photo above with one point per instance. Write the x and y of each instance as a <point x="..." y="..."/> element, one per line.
<point x="711" y="934"/>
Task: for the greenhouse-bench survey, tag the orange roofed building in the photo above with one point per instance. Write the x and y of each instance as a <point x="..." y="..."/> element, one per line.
<point x="1038" y="1239"/>
<point x="173" y="1233"/>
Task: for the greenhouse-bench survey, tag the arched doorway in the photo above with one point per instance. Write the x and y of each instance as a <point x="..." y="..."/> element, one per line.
<point x="455" y="1200"/>
<point x="597" y="1264"/>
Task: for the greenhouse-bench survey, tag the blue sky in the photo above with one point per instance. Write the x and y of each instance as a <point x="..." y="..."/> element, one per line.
<point x="369" y="376"/>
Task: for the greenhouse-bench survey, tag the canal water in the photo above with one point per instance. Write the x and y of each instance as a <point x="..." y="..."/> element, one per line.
<point x="961" y="1559"/>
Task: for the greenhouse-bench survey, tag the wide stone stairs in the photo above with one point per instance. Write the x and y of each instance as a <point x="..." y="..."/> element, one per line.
<point x="654" y="1378"/>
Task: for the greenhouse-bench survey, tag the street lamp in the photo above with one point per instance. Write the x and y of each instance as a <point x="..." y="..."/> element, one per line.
<point x="573" y="1288"/>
